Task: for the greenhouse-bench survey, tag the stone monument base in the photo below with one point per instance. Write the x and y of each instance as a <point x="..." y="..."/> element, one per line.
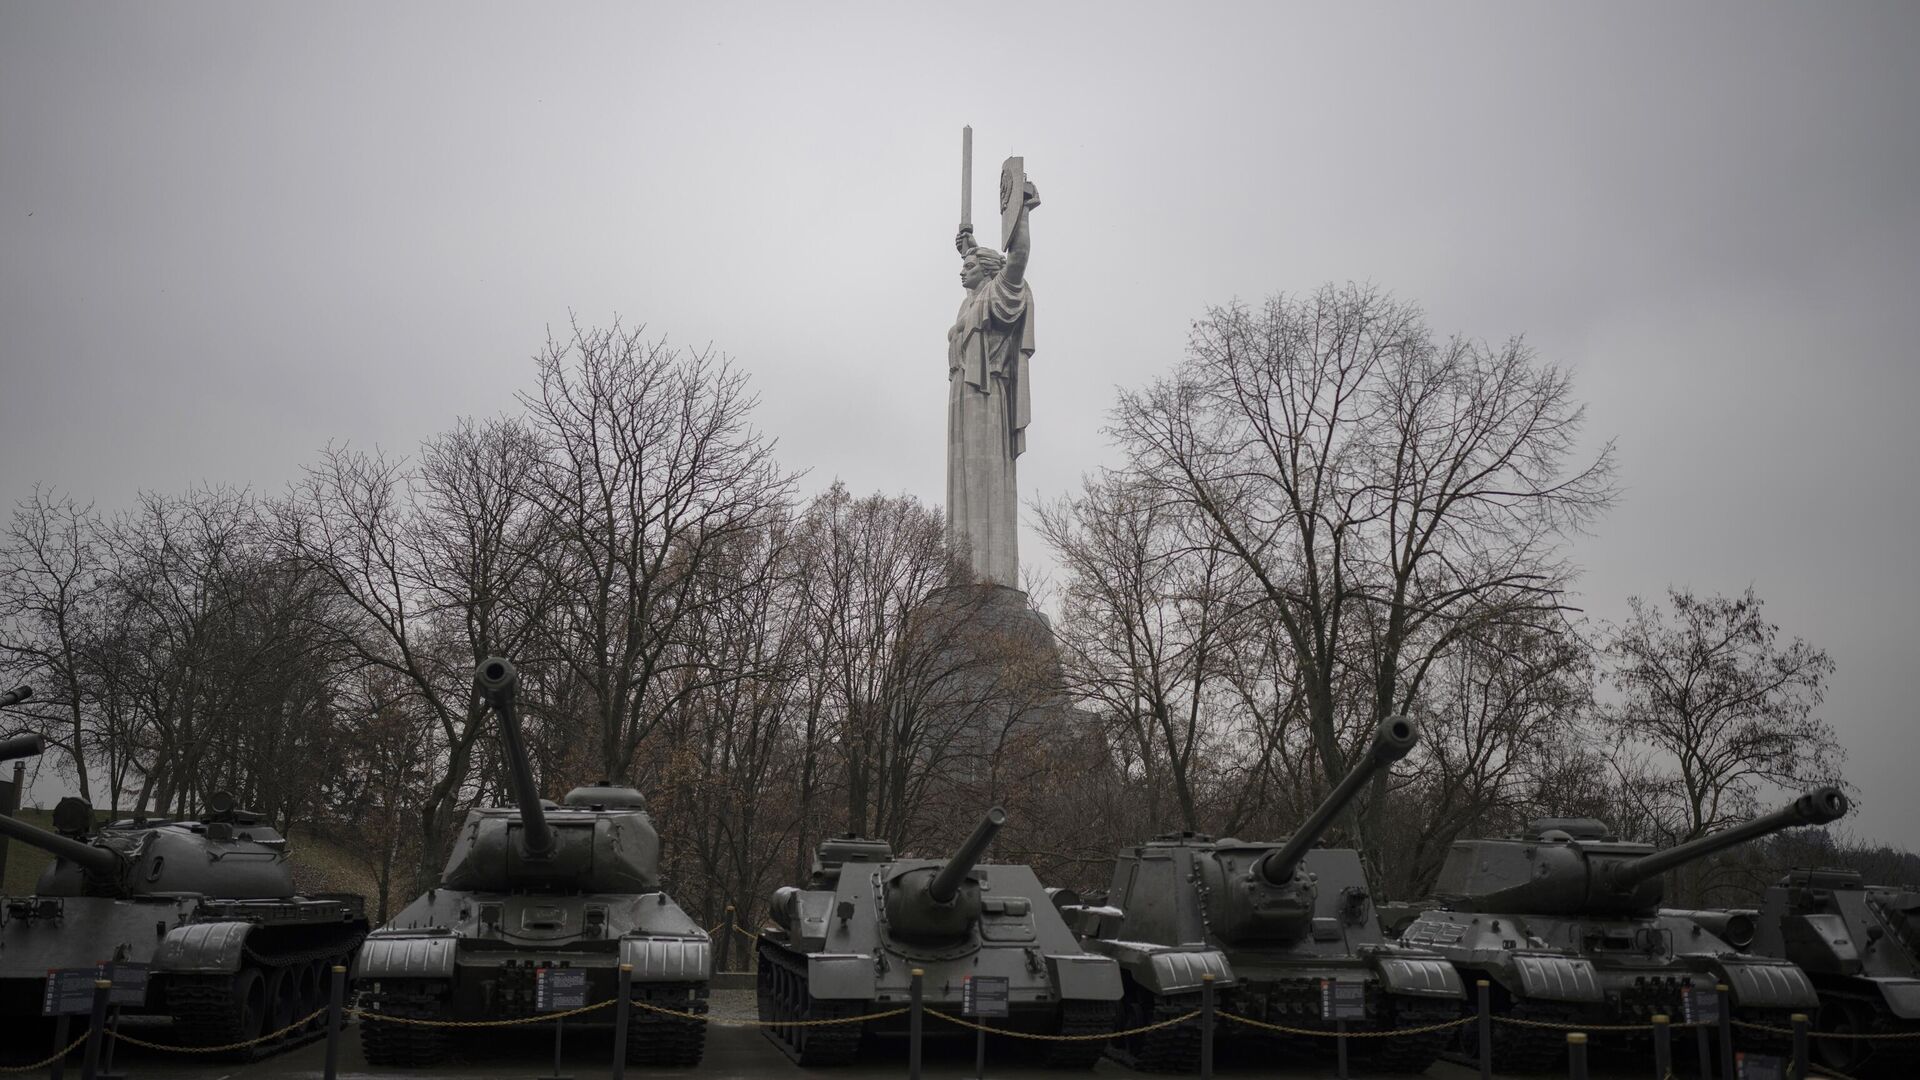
<point x="992" y="654"/>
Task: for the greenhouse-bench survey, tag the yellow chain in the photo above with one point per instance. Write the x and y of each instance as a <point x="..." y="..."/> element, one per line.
<point x="1098" y="1035"/>
<point x="1323" y="1033"/>
<point x="268" y="1037"/>
<point x="1518" y="1022"/>
<point x="45" y="1061"/>
<point x="1860" y="1035"/>
<point x="536" y="1018"/>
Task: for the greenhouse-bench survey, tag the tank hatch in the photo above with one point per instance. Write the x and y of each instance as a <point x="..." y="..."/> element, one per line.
<point x="607" y="795"/>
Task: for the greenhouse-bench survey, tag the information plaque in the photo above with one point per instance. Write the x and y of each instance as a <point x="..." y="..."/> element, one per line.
<point x="560" y="989"/>
<point x="1343" y="1001"/>
<point x="69" y="992"/>
<point x="984" y="995"/>
<point x="129" y="982"/>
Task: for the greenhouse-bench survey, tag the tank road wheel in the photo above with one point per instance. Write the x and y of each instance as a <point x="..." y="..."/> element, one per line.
<point x="1843" y="1017"/>
<point x="1168" y="1049"/>
<point x="215" y="1010"/>
<point x="283" y="997"/>
<point x="784" y="999"/>
<point x="659" y="1039"/>
<point x="400" y="1044"/>
<point x="312" y="983"/>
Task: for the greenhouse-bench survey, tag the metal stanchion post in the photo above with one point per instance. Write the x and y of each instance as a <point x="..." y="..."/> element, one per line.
<point x="106" y="1055"/>
<point x="1662" y="1047"/>
<point x="1577" y="1055"/>
<point x="336" y="1005"/>
<point x="1206" y="1027"/>
<point x="1340" y="1047"/>
<point x="1483" y="994"/>
<point x="622" y="1005"/>
<point x="1799" y="1046"/>
<point x="62" y="1031"/>
<point x="1703" y="1043"/>
<point x="914" y="1019"/>
<point x="1727" y="1067"/>
<point x="96" y="1029"/>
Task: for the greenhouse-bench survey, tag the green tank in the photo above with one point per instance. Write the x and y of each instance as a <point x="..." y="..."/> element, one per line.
<point x="845" y="944"/>
<point x="1274" y="923"/>
<point x="1566" y="925"/>
<point x="531" y="886"/>
<point x="209" y="906"/>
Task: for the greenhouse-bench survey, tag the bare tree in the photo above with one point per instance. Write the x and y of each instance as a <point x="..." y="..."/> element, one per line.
<point x="50" y="569"/>
<point x="648" y="470"/>
<point x="1724" y="706"/>
<point x="1385" y="493"/>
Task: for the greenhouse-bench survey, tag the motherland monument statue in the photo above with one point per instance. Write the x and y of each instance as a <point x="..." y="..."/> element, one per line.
<point x="989" y="400"/>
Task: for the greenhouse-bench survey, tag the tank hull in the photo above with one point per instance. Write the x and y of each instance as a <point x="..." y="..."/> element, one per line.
<point x="824" y="965"/>
<point x="455" y="955"/>
<point x="222" y="970"/>
<point x="1602" y="971"/>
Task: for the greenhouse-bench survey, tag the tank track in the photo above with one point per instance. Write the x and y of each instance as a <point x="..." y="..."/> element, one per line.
<point x="1851" y="1011"/>
<point x="783" y="996"/>
<point x="656" y="1039"/>
<point x="406" y="1045"/>
<point x="205" y="1011"/>
<point x="1518" y="1049"/>
<point x="1079" y="1018"/>
<point x="1408" y="1053"/>
<point x="1168" y="1049"/>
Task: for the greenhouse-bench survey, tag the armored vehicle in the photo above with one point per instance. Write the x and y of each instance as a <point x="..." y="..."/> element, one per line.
<point x="1860" y="944"/>
<point x="1276" y="925"/>
<point x="847" y="943"/>
<point x="530" y="887"/>
<point x="209" y="906"/>
<point x="1567" y="927"/>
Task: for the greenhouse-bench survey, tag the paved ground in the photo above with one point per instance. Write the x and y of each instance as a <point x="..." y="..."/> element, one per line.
<point x="733" y="1053"/>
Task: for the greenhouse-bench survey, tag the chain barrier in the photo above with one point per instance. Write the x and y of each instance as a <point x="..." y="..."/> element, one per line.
<point x="1864" y="1036"/>
<point x="735" y="1021"/>
<point x="1325" y="1034"/>
<point x="418" y="1021"/>
<point x="256" y="1041"/>
<point x="1041" y="1037"/>
<point x="1562" y="1026"/>
<point x="45" y="1061"/>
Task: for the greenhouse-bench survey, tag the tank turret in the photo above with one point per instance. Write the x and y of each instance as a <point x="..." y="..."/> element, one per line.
<point x="1572" y="866"/>
<point x="929" y="903"/>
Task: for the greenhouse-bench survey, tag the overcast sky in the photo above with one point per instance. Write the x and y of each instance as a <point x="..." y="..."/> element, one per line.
<point x="231" y="234"/>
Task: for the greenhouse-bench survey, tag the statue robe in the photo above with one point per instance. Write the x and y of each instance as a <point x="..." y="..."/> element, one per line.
<point x="988" y="403"/>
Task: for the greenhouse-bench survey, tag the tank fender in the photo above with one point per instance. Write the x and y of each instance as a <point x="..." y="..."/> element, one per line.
<point x="1759" y="983"/>
<point x="1169" y="971"/>
<point x="1901" y="995"/>
<point x="1554" y="978"/>
<point x="663" y="959"/>
<point x="1084" y="977"/>
<point x="202" y="948"/>
<point x="841" y="975"/>
<point x="405" y="957"/>
<point x="1420" y="976"/>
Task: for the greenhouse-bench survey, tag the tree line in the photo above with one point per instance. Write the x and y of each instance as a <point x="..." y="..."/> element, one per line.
<point x="1323" y="514"/>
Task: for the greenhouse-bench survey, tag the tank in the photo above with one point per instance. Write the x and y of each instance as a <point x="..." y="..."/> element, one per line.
<point x="1566" y="925"/>
<point x="1860" y="944"/>
<point x="233" y="951"/>
<point x="530" y="886"/>
<point x="846" y="943"/>
<point x="1272" y="922"/>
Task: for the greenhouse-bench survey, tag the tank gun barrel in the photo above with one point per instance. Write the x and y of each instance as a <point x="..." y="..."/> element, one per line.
<point x="21" y="746"/>
<point x="1816" y="807"/>
<point x="1392" y="740"/>
<point x="15" y="696"/>
<point x="97" y="860"/>
<point x="946" y="884"/>
<point x="499" y="684"/>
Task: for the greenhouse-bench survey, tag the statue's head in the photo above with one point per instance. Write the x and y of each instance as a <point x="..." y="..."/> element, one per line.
<point x="979" y="265"/>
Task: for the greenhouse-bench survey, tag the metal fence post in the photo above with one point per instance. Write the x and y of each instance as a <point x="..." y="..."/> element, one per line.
<point x="1483" y="994"/>
<point x="96" y="1029"/>
<point x="1662" y="1047"/>
<point x="1727" y="1067"/>
<point x="336" y="1005"/>
<point x="622" y="1007"/>
<point x="62" y="1031"/>
<point x="1799" y="1046"/>
<point x="1577" y="1055"/>
<point x="914" y="1018"/>
<point x="1206" y="1026"/>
